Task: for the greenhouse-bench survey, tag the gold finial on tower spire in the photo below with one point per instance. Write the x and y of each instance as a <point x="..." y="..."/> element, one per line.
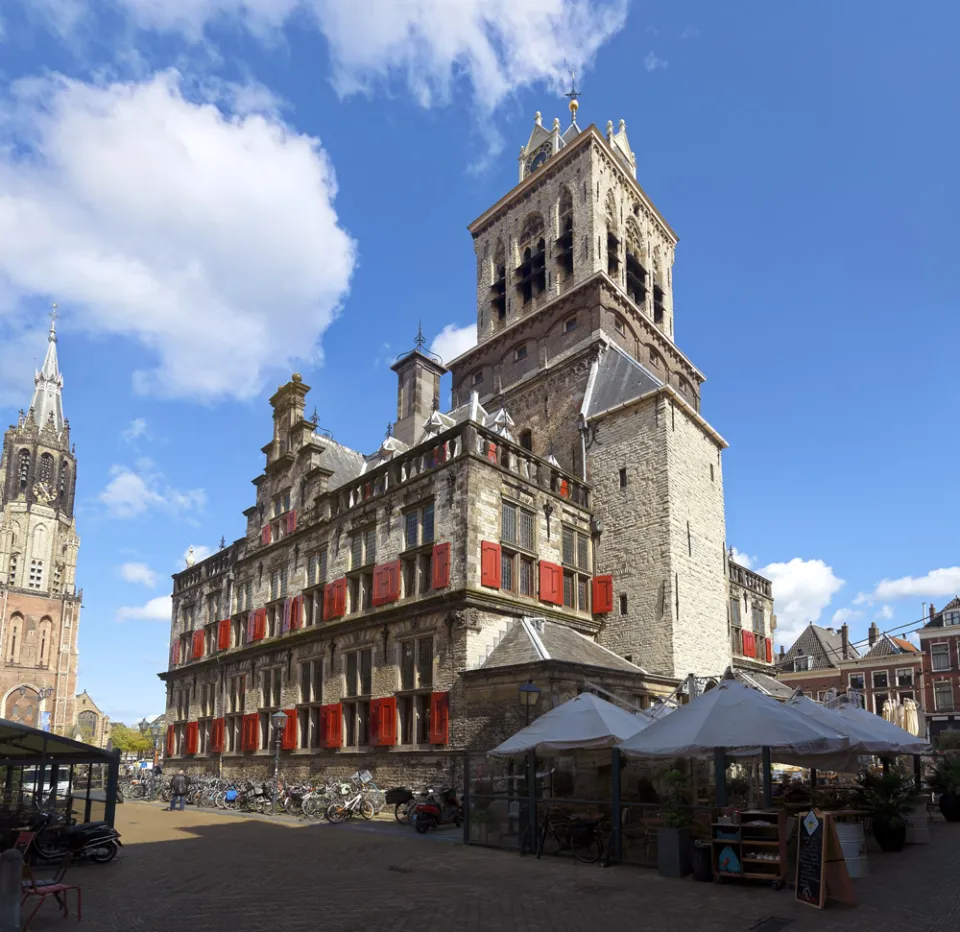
<point x="573" y="94"/>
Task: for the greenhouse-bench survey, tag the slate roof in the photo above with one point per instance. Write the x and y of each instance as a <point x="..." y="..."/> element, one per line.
<point x="344" y="463"/>
<point x="826" y="648"/>
<point x="619" y="378"/>
<point x="937" y="622"/>
<point x="532" y="640"/>
<point x="888" y="646"/>
<point x="764" y="683"/>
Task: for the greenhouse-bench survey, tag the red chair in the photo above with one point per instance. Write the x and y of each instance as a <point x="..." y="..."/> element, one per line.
<point x="44" y="888"/>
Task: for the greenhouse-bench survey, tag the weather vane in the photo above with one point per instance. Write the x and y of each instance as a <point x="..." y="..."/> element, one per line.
<point x="573" y="94"/>
<point x="421" y="340"/>
<point x="54" y="311"/>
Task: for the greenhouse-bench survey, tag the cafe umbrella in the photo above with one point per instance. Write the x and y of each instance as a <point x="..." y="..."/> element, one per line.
<point x="732" y="717"/>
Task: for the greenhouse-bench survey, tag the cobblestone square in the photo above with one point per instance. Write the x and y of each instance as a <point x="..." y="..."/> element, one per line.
<point x="208" y="871"/>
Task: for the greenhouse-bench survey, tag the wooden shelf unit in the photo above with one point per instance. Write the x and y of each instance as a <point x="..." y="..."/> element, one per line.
<point x="769" y="831"/>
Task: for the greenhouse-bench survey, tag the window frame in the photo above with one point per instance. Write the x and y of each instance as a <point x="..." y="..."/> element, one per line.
<point x="945" y="653"/>
<point x="413" y="701"/>
<point x="948" y="684"/>
<point x="863" y="681"/>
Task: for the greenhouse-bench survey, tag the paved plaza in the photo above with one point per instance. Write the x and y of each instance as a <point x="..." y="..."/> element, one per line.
<point x="205" y="872"/>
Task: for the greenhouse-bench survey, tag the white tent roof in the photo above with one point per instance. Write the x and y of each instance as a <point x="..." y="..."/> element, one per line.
<point x="732" y="716"/>
<point x="901" y="742"/>
<point x="586" y="721"/>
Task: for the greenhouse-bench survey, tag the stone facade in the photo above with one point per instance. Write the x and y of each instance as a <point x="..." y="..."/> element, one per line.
<point x="562" y="523"/>
<point x="750" y="609"/>
<point x="940" y="647"/>
<point x="39" y="601"/>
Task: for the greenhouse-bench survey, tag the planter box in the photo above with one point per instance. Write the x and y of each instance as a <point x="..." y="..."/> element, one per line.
<point x="674" y="852"/>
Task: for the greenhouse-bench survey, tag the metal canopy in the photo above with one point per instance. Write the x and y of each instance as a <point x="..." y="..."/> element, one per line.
<point x="20" y="744"/>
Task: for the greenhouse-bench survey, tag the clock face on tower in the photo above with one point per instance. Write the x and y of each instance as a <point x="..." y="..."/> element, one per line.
<point x="538" y="158"/>
<point x="43" y="493"/>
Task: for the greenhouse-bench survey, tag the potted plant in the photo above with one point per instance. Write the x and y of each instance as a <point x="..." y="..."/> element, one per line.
<point x="945" y="781"/>
<point x="889" y="800"/>
<point x="674" y="840"/>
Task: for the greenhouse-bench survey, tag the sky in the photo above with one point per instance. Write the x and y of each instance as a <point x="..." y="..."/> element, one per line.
<point x="220" y="192"/>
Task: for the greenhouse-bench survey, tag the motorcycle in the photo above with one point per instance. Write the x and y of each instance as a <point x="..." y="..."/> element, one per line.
<point x="94" y="841"/>
<point x="437" y="809"/>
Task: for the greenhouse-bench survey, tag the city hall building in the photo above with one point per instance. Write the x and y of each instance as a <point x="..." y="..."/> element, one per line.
<point x="562" y="522"/>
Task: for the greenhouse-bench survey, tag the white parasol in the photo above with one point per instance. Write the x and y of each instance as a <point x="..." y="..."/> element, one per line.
<point x="585" y="721"/>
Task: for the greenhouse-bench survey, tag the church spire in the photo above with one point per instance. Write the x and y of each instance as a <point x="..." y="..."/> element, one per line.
<point x="47" y="404"/>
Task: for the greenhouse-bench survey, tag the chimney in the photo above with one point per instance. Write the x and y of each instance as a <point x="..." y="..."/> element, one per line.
<point x="933" y="611"/>
<point x="845" y="639"/>
<point x="418" y="393"/>
<point x="783" y="652"/>
<point x="873" y="634"/>
<point x="288" y="404"/>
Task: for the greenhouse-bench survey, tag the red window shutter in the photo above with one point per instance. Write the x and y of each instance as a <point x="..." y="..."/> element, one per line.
<point x="292" y="521"/>
<point x="327" y="613"/>
<point x="441" y="565"/>
<point x="490" y="564"/>
<point x="171" y="740"/>
<point x="602" y="595"/>
<point x="296" y="613"/>
<point x="223" y="634"/>
<point x="250" y="727"/>
<point x="769" y="651"/>
<point x="393" y="592"/>
<point x="387" y="726"/>
<point x="380" y="584"/>
<point x="333" y="721"/>
<point x="259" y="624"/>
<point x="492" y="452"/>
<point x="289" y="741"/>
<point x="216" y="735"/>
<point x="439" y="718"/>
<point x="551" y="583"/>
<point x="193" y="737"/>
<point x="196" y="651"/>
<point x="174" y="653"/>
<point x="564" y="489"/>
<point x="749" y="646"/>
<point x="340" y="599"/>
<point x="265" y="534"/>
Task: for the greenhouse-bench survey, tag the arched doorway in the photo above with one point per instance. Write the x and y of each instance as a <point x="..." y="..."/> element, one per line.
<point x="23" y="706"/>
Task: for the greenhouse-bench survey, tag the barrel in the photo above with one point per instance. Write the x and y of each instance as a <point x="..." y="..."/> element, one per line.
<point x="918" y="825"/>
<point x="854" y="847"/>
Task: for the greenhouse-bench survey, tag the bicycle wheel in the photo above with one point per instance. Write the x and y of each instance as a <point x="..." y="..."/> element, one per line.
<point x="549" y="842"/>
<point x="138" y="791"/>
<point x="336" y="813"/>
<point x="588" y="849"/>
<point x="312" y="806"/>
<point x="402" y="811"/>
<point x="367" y="809"/>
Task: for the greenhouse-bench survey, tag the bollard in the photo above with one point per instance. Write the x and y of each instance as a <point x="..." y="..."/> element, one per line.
<point x="11" y="877"/>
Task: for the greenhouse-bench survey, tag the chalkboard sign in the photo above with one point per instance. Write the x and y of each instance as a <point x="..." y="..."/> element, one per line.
<point x="811" y="888"/>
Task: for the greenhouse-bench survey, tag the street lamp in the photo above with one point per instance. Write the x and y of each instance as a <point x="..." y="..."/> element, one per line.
<point x="155" y="730"/>
<point x="529" y="697"/>
<point x="279" y="720"/>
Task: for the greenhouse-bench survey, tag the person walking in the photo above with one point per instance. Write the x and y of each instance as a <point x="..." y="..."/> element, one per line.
<point x="178" y="790"/>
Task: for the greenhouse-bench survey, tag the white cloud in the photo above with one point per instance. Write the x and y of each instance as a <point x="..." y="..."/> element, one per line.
<point x="742" y="558"/>
<point x="180" y="216"/>
<point x="691" y="32"/>
<point x="843" y="615"/>
<point x="21" y="351"/>
<point x="453" y="340"/>
<point x="157" y="609"/>
<point x="802" y="589"/>
<point x="430" y="46"/>
<point x="885" y="612"/>
<point x="138" y="573"/>
<point x="942" y="582"/>
<point x="133" y="491"/>
<point x="135" y="429"/>
<point x="652" y="62"/>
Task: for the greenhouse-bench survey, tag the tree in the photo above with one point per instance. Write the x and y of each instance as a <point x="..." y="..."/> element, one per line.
<point x="130" y="740"/>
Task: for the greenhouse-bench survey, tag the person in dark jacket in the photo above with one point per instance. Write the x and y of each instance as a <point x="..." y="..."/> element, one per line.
<point x="178" y="790"/>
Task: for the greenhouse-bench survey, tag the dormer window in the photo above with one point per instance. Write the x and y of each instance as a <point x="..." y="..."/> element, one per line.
<point x="619" y="325"/>
<point x="520" y="353"/>
<point x="477" y="377"/>
<point x="951" y="618"/>
<point x="569" y="324"/>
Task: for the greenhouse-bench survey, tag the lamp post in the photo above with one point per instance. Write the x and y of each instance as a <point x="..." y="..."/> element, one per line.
<point x="279" y="720"/>
<point x="529" y="697"/>
<point x="155" y="730"/>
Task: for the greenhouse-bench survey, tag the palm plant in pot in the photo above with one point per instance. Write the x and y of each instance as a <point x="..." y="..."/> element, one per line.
<point x="945" y="781"/>
<point x="674" y="840"/>
<point x="888" y="799"/>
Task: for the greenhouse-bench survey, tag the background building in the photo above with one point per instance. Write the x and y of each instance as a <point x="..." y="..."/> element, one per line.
<point x="563" y="522"/>
<point x="940" y="644"/>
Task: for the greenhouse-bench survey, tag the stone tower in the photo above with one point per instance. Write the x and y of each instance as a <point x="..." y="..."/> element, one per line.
<point x="575" y="337"/>
<point x="39" y="602"/>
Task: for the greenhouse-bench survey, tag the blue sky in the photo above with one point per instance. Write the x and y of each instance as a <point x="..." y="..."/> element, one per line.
<point x="217" y="193"/>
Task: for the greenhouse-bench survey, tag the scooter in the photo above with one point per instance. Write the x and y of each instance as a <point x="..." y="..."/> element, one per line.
<point x="441" y="808"/>
<point x="95" y="841"/>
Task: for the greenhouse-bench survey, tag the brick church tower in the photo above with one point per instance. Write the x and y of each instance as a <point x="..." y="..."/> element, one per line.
<point x="39" y="603"/>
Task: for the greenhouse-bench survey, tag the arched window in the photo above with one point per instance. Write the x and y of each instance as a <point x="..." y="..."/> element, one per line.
<point x="656" y="360"/>
<point x="45" y="473"/>
<point x="613" y="241"/>
<point x="23" y="469"/>
<point x="657" y="289"/>
<point x="43" y="651"/>
<point x="23" y="705"/>
<point x="15" y="638"/>
<point x="87" y="723"/>
<point x="498" y="302"/>
<point x="565" y="240"/>
<point x="532" y="272"/>
<point x="636" y="271"/>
